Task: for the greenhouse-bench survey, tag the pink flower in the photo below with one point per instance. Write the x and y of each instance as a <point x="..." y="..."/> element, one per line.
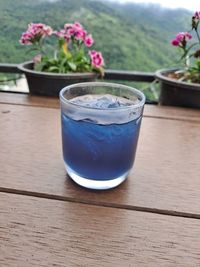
<point x="35" y="32"/>
<point x="196" y="15"/>
<point x="96" y="59"/>
<point x="26" y="38"/>
<point x="175" y="42"/>
<point x="37" y="59"/>
<point x="39" y="29"/>
<point x="80" y="34"/>
<point x="68" y="25"/>
<point x="74" y="43"/>
<point x="188" y="35"/>
<point x="47" y="30"/>
<point x="88" y="40"/>
<point x="92" y="53"/>
<point x="75" y="30"/>
<point x="78" y="25"/>
<point x="69" y="29"/>
<point x="181" y="35"/>
<point x="64" y="34"/>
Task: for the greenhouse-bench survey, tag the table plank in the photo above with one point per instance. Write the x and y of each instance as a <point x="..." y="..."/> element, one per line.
<point x="165" y="177"/>
<point x="29" y="100"/>
<point x="149" y="111"/>
<point x="175" y="113"/>
<point x="42" y="232"/>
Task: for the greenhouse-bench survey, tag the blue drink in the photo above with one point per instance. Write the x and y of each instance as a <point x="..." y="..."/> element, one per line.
<point x="99" y="152"/>
<point x="99" y="138"/>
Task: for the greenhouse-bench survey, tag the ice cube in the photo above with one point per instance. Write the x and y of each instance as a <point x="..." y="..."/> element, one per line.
<point x="91" y="108"/>
<point x="102" y="101"/>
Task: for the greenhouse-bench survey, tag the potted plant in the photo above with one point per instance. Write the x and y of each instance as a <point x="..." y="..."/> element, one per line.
<point x="71" y="61"/>
<point x="181" y="87"/>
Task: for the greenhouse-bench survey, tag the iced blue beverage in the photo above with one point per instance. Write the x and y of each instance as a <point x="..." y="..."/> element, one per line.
<point x="99" y="135"/>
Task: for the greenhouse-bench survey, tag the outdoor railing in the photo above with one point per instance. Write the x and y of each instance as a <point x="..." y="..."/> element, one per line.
<point x="131" y="76"/>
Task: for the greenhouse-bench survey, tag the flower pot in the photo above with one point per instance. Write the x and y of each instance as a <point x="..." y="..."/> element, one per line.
<point x="50" y="84"/>
<point x="177" y="93"/>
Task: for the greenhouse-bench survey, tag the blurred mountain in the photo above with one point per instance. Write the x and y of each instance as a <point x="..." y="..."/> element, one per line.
<point x="131" y="36"/>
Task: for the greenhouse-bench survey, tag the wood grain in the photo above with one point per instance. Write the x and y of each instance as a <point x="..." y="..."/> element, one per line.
<point x="42" y="232"/>
<point x="29" y="100"/>
<point x="149" y="111"/>
<point x="165" y="176"/>
<point x="175" y="113"/>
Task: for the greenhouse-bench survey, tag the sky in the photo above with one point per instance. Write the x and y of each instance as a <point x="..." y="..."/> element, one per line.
<point x="193" y="5"/>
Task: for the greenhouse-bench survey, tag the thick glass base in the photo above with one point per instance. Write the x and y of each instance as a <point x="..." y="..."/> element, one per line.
<point x="95" y="184"/>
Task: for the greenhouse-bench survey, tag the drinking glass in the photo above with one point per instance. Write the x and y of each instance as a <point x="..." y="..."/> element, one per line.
<point x="100" y="129"/>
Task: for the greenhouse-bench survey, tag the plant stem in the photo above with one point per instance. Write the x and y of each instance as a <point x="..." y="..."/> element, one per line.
<point x="185" y="57"/>
<point x="197" y="35"/>
<point x="187" y="62"/>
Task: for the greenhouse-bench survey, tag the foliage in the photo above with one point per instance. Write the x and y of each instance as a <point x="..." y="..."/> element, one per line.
<point x="70" y="54"/>
<point x="183" y="42"/>
<point x="131" y="37"/>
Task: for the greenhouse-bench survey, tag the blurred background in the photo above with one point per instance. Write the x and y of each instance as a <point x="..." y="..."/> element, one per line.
<point x="132" y="35"/>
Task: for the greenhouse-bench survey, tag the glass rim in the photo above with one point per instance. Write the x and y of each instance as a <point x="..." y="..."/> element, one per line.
<point x="104" y="84"/>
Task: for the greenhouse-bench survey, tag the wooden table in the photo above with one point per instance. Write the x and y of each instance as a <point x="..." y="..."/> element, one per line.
<point x="152" y="219"/>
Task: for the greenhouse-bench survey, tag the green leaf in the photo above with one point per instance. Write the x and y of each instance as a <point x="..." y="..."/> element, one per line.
<point x="61" y="42"/>
<point x="79" y="55"/>
<point x="53" y="69"/>
<point x="39" y="66"/>
<point x="72" y="65"/>
<point x="45" y="58"/>
<point x="63" y="61"/>
<point x="198" y="64"/>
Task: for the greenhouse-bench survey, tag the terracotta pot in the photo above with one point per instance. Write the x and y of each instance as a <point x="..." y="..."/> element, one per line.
<point x="50" y="84"/>
<point x="177" y="93"/>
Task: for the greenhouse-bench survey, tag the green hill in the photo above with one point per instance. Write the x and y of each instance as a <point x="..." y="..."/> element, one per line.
<point x="132" y="36"/>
